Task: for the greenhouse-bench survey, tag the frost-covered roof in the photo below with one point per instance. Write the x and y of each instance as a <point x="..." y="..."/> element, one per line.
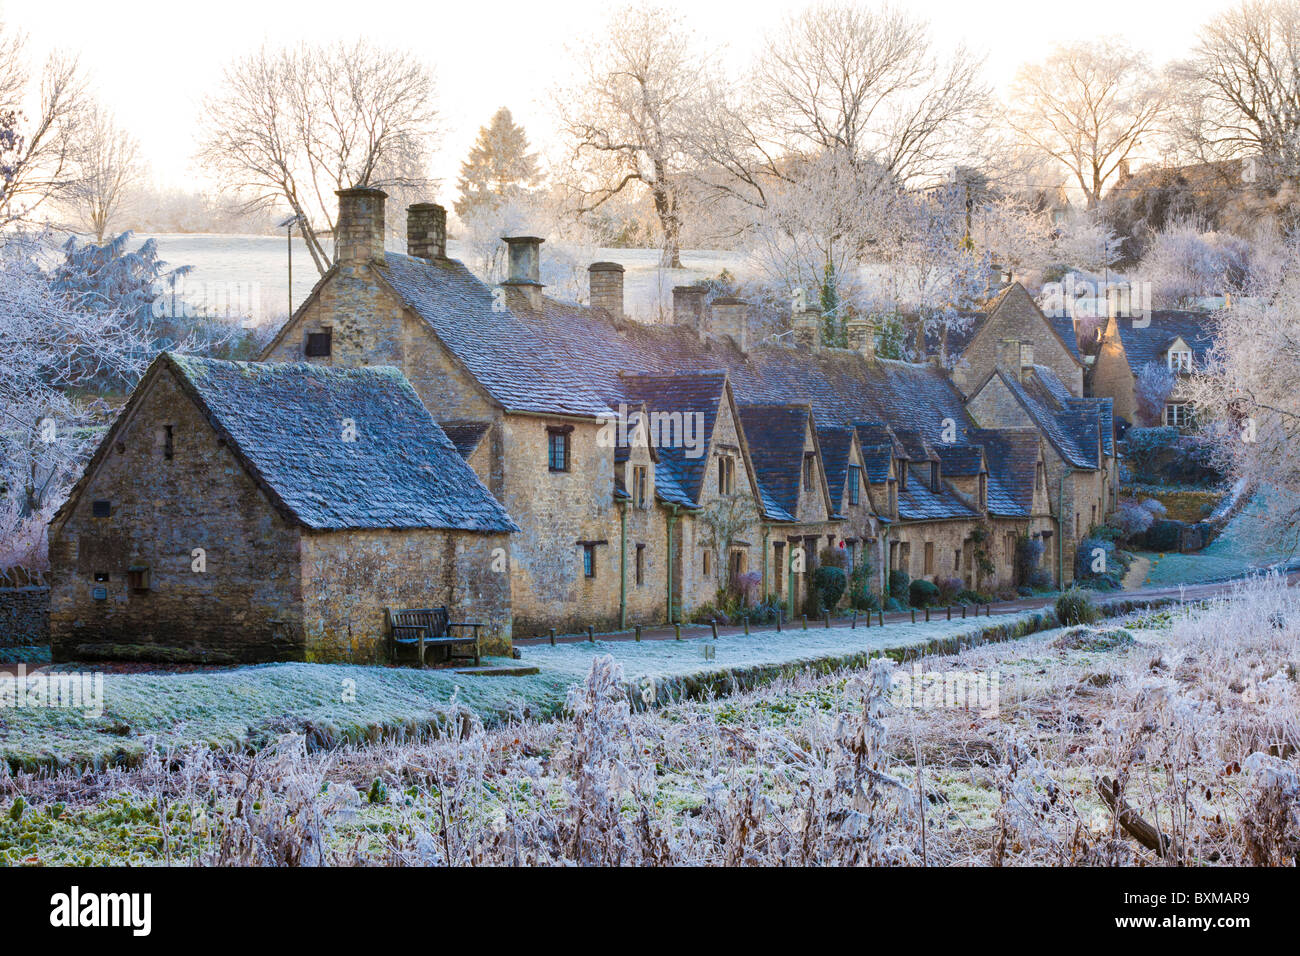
<point x="1149" y="342"/>
<point x="340" y="448"/>
<point x="1012" y="455"/>
<point x="776" y="434"/>
<point x="679" y="470"/>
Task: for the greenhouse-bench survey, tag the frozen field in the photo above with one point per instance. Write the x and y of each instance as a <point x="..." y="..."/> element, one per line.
<point x="261" y="264"/>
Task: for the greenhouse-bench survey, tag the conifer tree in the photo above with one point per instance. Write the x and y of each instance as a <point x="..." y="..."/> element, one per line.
<point x="499" y="168"/>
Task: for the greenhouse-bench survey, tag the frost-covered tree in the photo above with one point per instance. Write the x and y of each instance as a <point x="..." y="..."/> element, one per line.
<point x="1155" y="383"/>
<point x="1183" y="264"/>
<point x="36" y="145"/>
<point x="55" y="346"/>
<point x="1087" y="106"/>
<point x="290" y="127"/>
<point x="1086" y="243"/>
<point x="1246" y="397"/>
<point x="630" y="115"/>
<point x="1016" y="237"/>
<point x="106" y="165"/>
<point x="500" y="166"/>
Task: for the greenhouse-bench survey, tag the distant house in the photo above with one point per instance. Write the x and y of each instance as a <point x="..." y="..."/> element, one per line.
<point x="1176" y="340"/>
<point x="247" y="512"/>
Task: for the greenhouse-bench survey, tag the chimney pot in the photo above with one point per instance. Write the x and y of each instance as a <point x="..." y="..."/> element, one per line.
<point x="605" y="281"/>
<point x="359" y="233"/>
<point x="426" y="231"/>
<point x="525" y="267"/>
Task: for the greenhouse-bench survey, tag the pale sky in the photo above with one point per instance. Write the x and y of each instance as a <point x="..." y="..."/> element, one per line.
<point x="151" y="62"/>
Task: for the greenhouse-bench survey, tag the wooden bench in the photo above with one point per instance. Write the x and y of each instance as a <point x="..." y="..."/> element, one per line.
<point x="422" y="628"/>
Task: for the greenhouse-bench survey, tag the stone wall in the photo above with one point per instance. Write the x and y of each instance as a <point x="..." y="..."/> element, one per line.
<point x="24" y="617"/>
<point x="349" y="578"/>
<point x="1020" y="319"/>
<point x="1111" y="376"/>
<point x="244" y="606"/>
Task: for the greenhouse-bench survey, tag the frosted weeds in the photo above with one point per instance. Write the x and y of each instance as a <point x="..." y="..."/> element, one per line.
<point x="1192" y="725"/>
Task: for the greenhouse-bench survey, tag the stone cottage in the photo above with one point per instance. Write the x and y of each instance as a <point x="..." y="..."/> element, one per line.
<point x="252" y="512"/>
<point x="616" y="532"/>
<point x="1176" y="340"/>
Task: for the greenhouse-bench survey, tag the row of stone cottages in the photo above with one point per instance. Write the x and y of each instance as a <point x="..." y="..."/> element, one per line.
<point x="414" y="437"/>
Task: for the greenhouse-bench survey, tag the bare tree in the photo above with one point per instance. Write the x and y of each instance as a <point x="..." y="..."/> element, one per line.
<point x="630" y="115"/>
<point x="107" y="165"/>
<point x="1088" y="105"/>
<point x="35" y="150"/>
<point x="290" y="127"/>
<point x="844" y="77"/>
<point x="1241" y="87"/>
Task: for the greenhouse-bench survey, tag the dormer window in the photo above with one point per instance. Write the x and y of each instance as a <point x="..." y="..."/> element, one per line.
<point x="934" y="476"/>
<point x="809" y="469"/>
<point x="1180" y="360"/>
<point x="984" y="492"/>
<point x="639" y="485"/>
<point x="855" y="484"/>
<point x="902" y="475"/>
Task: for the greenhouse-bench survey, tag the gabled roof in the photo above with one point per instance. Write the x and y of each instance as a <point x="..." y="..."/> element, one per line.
<point x="1014" y="299"/>
<point x="1012" y="454"/>
<point x="466" y="436"/>
<point x="917" y="502"/>
<point x="286" y="425"/>
<point x="1072" y="431"/>
<point x="776" y="436"/>
<point x="837" y="446"/>
<point x="877" y="459"/>
<point x="696" y="398"/>
<point x="961" y="461"/>
<point x="1151" y="342"/>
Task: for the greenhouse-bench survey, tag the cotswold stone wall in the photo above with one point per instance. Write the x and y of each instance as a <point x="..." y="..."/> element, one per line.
<point x="245" y="605"/>
<point x="1019" y="319"/>
<point x="351" y="577"/>
<point x="24" y="617"/>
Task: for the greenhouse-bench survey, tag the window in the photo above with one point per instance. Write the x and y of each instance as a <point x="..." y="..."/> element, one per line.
<point x="708" y="563"/>
<point x="164" y="442"/>
<point x="101" y="509"/>
<point x="736" y="563"/>
<point x="778" y="565"/>
<point x="640" y="565"/>
<point x="137" y="578"/>
<point x="850" y="556"/>
<point x="956" y="561"/>
<point x="984" y="491"/>
<point x="1178" y="414"/>
<point x="726" y="474"/>
<point x="902" y="475"/>
<point x="319" y="343"/>
<point x="929" y="557"/>
<point x="589" y="560"/>
<point x="809" y="469"/>
<point x="557" y="448"/>
<point x="905" y="557"/>
<point x="1040" y="474"/>
<point x="855" y="484"/>
<point x="934" y="476"/>
<point x="639" y="486"/>
<point x="1180" y="360"/>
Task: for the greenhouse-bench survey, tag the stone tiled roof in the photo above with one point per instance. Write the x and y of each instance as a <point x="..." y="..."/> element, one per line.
<point x="917" y="502"/>
<point x="1014" y="297"/>
<point x="775" y="434"/>
<point x="679" y="477"/>
<point x="836" y="444"/>
<point x="286" y="423"/>
<point x="962" y="461"/>
<point x="1150" y="343"/>
<point x="877" y="458"/>
<point x="1071" y="429"/>
<point x="1012" y="454"/>
<point x="465" y="435"/>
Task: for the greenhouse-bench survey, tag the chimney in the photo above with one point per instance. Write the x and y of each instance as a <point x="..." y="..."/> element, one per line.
<point x="605" y="280"/>
<point x="1026" y="358"/>
<point x="525" y="266"/>
<point x="1009" y="356"/>
<point x="861" y="336"/>
<point x="688" y="306"/>
<point x="426" y="231"/>
<point x="359" y="233"/>
<point x="808" y="329"/>
<point x="730" y="316"/>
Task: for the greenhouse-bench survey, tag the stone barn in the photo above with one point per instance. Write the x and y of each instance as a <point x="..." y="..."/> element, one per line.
<point x="242" y="512"/>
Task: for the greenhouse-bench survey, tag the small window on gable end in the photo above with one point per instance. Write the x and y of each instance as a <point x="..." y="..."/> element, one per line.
<point x="320" y="344"/>
<point x="589" y="560"/>
<point x="165" y="444"/>
<point x="557" y="448"/>
<point x="101" y="509"/>
<point x="855" y="483"/>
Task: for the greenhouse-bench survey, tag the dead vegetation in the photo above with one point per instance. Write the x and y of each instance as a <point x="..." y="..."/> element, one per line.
<point x="1170" y="742"/>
